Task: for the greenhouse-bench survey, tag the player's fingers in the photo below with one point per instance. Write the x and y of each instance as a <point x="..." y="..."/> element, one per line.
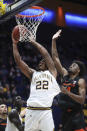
<point x="58" y="32"/>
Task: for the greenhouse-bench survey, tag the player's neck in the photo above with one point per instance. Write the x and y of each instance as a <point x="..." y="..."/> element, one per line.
<point x="73" y="76"/>
<point x="3" y="116"/>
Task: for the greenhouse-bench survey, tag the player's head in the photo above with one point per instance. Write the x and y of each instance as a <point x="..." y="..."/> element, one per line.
<point x="3" y="109"/>
<point x="77" y="67"/>
<point x="42" y="65"/>
<point x="18" y="102"/>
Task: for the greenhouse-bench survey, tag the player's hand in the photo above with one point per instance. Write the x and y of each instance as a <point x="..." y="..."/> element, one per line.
<point x="14" y="41"/>
<point x="31" y="39"/>
<point x="64" y="90"/>
<point x="55" y="36"/>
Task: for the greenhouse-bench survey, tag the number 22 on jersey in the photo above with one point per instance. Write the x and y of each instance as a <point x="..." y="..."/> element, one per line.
<point x="42" y="84"/>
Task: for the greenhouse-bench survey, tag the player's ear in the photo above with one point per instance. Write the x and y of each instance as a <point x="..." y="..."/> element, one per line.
<point x="78" y="70"/>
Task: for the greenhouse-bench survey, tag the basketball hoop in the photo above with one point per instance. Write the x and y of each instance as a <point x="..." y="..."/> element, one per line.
<point x="31" y="19"/>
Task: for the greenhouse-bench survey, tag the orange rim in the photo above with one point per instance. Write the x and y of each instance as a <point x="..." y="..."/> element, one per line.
<point x="33" y="7"/>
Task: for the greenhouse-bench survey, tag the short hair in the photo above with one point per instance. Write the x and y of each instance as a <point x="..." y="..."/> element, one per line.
<point x="17" y="98"/>
<point x="41" y="60"/>
<point x="16" y="102"/>
<point x="81" y="66"/>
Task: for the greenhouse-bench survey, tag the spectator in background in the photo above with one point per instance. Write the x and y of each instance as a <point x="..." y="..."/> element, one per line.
<point x="13" y="91"/>
<point x="4" y="73"/>
<point x="2" y="95"/>
<point x="3" y="116"/>
<point x="5" y="94"/>
<point x="11" y="77"/>
<point x="14" y="122"/>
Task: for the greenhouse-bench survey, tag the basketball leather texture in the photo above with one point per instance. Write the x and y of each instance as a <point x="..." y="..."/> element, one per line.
<point x="16" y="33"/>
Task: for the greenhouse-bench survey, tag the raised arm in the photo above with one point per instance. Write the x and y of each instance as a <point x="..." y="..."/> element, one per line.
<point x="55" y="55"/>
<point x="48" y="60"/>
<point x="21" y="64"/>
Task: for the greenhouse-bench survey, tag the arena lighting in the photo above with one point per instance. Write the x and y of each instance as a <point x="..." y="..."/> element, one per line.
<point x="49" y="14"/>
<point x="60" y="16"/>
<point x="76" y="20"/>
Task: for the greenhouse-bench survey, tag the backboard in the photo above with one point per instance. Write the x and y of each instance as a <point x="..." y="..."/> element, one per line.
<point x="16" y="7"/>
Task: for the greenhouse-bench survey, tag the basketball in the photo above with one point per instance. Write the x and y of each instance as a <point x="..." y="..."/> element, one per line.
<point x="16" y="33"/>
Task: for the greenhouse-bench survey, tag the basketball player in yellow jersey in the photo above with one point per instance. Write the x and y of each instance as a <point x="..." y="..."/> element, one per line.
<point x="42" y="90"/>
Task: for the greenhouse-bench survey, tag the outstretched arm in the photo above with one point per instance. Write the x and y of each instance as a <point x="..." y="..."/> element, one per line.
<point x="55" y="56"/>
<point x="48" y="60"/>
<point x="22" y="65"/>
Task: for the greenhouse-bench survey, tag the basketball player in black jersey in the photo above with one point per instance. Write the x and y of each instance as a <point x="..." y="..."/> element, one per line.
<point x="73" y="87"/>
<point x="3" y="116"/>
<point x="14" y="120"/>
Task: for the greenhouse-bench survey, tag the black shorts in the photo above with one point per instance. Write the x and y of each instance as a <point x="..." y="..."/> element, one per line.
<point x="73" y="121"/>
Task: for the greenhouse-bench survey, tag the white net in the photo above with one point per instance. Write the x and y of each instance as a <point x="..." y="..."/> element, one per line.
<point x="30" y="19"/>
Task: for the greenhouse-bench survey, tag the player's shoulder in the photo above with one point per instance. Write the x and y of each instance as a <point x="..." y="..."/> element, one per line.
<point x="81" y="81"/>
<point x="35" y="72"/>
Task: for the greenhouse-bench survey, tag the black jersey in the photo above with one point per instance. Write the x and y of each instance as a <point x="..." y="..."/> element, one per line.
<point x="66" y="102"/>
<point x="3" y="123"/>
